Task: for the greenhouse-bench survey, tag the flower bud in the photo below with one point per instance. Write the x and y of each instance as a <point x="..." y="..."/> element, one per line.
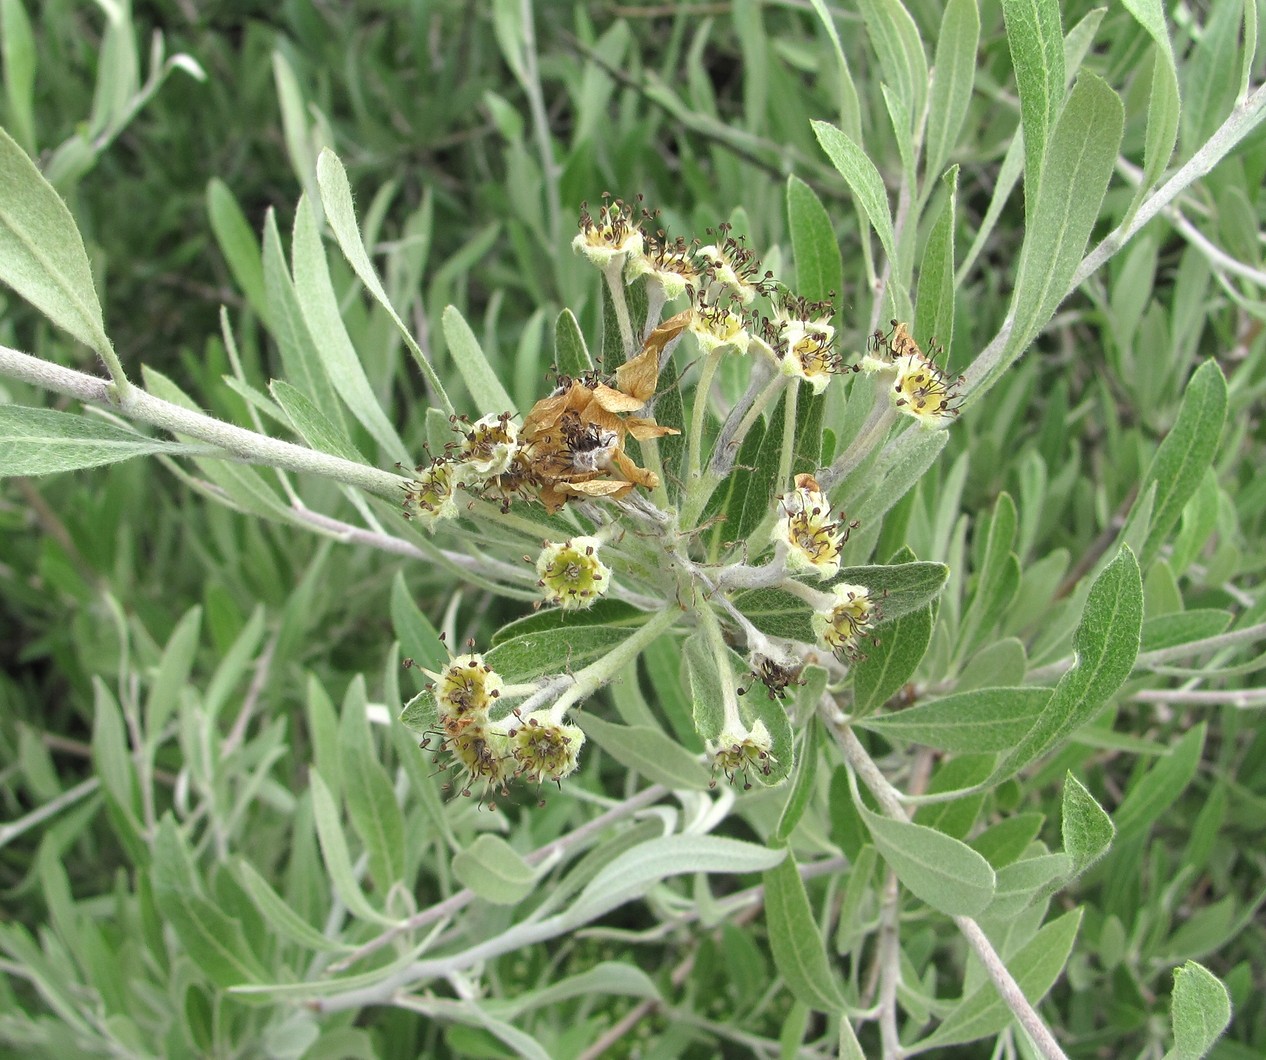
<point x="467" y="687"/>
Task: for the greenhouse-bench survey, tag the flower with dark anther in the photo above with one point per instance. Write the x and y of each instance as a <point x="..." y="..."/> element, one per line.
<point x="665" y="262"/>
<point x="544" y="749"/>
<point x="738" y="751"/>
<point x="430" y="495"/>
<point x="489" y="446"/>
<point x="716" y="324"/>
<point x="812" y="539"/>
<point x="917" y="385"/>
<point x="803" y="340"/>
<point x="774" y="675"/>
<point x="732" y="265"/>
<point x="571" y="573"/>
<point x="466" y="687"/>
<point x="848" y="619"/>
<point x="482" y="753"/>
<point x="613" y="233"/>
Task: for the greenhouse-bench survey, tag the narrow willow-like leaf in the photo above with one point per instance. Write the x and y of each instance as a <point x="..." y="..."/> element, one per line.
<point x="334" y="852"/>
<point x="1079" y="163"/>
<point x="819" y="267"/>
<point x="706" y="696"/>
<point x="17" y="48"/>
<point x="320" y="308"/>
<point x="863" y="179"/>
<point x="494" y="871"/>
<point x="1183" y="627"/>
<point x="939" y="869"/>
<point x="803" y="785"/>
<point x="952" y="84"/>
<point x="301" y="365"/>
<point x="1024" y="882"/>
<point x="1185" y="454"/>
<point x="797" y="947"/>
<point x="367" y="790"/>
<point x="1105" y="644"/>
<point x="485" y="388"/>
<point x="1035" y="967"/>
<point x="238" y="244"/>
<point x="998" y="579"/>
<point x="45" y="442"/>
<point x="1088" y="831"/>
<point x="647" y="751"/>
<point x="340" y="214"/>
<point x="418" y="639"/>
<point x="889" y="664"/>
<point x="280" y="916"/>
<point x="753" y="496"/>
<point x="1036" y="41"/>
<point x="1158" y="789"/>
<point x="901" y="57"/>
<point x="571" y="354"/>
<point x="173" y="674"/>
<point x="633" y="873"/>
<point x="312" y="425"/>
<point x="212" y="938"/>
<point x="934" y="304"/>
<point x="1200" y="1012"/>
<point x="42" y="255"/>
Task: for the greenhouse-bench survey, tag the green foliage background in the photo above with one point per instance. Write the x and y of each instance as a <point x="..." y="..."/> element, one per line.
<point x="162" y="652"/>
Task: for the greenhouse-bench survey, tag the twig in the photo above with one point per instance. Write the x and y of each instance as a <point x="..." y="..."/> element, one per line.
<point x="1008" y="989"/>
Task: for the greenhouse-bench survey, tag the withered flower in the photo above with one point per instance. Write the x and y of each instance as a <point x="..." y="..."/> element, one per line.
<point x="573" y="440"/>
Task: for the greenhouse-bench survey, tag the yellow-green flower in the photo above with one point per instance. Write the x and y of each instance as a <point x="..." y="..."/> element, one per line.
<point x="738" y="751"/>
<point x="812" y="539"/>
<point x="571" y="574"/>
<point x="716" y="324"/>
<point x="430" y="496"/>
<point x="544" y="749"/>
<point x="665" y="263"/>
<point x="850" y="617"/>
<point x="612" y="234"/>
<point x="489" y="446"/>
<point x="466" y="686"/>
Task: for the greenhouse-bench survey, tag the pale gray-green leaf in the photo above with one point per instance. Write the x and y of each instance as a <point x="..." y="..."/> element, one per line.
<point x="863" y="179"/>
<point x="1105" y="644"/>
<point x="1087" y="829"/>
<point x="952" y="82"/>
<point x="1186" y="453"/>
<point x="647" y="751"/>
<point x="1200" y="1012"/>
<point x="944" y="872"/>
<point x="42" y="255"/>
<point x="983" y="719"/>
<point x="1036" y="41"/>
<point x="799" y="953"/>
<point x="44" y="442"/>
<point x="494" y="871"/>
<point x="485" y="388"/>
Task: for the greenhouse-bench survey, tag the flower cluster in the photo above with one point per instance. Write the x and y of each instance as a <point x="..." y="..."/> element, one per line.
<point x="806" y="531"/>
<point x="918" y="386"/>
<point x="570" y="446"/>
<point x="534" y="747"/>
